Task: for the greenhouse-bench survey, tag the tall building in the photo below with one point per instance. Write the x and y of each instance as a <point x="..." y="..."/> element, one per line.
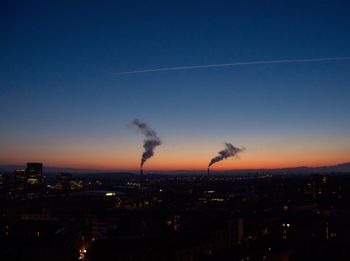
<point x="3" y="181"/>
<point x="20" y="179"/>
<point x="34" y="176"/>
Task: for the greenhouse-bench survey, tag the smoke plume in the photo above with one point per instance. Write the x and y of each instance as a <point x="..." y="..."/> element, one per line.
<point x="151" y="139"/>
<point x="229" y="151"/>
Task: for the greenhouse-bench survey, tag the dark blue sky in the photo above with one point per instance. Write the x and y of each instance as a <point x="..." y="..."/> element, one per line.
<point x="59" y="93"/>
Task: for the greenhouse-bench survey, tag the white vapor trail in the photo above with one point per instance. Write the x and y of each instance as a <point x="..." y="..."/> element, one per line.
<point x="324" y="59"/>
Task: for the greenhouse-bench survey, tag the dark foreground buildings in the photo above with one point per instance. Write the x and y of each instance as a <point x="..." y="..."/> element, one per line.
<point x="162" y="217"/>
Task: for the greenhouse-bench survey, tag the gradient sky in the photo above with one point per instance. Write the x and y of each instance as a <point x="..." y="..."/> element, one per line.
<point x="62" y="104"/>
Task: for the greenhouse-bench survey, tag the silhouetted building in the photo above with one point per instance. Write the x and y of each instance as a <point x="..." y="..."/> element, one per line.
<point x="35" y="179"/>
<point x="76" y="184"/>
<point x="3" y="181"/>
<point x="63" y="181"/>
<point x="20" y="179"/>
<point x="321" y="187"/>
<point x="34" y="173"/>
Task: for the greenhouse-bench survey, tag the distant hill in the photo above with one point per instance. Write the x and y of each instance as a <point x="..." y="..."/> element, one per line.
<point x="340" y="168"/>
<point x="345" y="167"/>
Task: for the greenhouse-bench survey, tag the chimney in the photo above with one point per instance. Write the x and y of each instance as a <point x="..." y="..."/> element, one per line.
<point x="208" y="171"/>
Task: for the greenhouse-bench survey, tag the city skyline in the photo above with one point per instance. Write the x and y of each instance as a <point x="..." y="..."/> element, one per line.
<point x="174" y="130"/>
<point x="65" y="105"/>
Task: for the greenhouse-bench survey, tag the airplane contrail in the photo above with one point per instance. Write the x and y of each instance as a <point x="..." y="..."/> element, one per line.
<point x="323" y="59"/>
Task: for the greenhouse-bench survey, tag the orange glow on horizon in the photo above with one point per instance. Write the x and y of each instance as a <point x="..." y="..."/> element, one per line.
<point x="220" y="166"/>
<point x="268" y="153"/>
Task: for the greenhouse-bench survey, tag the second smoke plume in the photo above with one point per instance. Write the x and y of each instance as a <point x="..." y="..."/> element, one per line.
<point x="151" y="139"/>
<point x="229" y="151"/>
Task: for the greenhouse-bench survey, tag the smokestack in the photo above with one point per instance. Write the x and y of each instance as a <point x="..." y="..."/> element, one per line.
<point x="141" y="171"/>
<point x="208" y="171"/>
<point x="151" y="140"/>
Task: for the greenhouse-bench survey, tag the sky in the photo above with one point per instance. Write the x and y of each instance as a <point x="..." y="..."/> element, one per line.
<point x="63" y="102"/>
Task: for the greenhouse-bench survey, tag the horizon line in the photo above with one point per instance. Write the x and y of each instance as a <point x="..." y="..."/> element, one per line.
<point x="179" y="170"/>
<point x="283" y="61"/>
